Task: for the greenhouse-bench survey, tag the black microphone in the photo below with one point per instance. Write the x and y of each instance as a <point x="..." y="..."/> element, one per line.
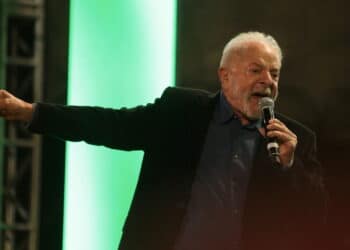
<point x="267" y="105"/>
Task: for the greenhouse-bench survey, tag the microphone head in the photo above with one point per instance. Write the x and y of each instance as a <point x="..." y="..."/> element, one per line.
<point x="266" y="102"/>
<point x="266" y="106"/>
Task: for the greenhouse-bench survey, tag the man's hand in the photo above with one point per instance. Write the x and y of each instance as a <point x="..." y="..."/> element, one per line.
<point x="286" y="139"/>
<point x="13" y="108"/>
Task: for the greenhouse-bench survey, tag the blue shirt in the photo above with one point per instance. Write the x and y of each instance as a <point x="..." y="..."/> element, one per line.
<point x="214" y="213"/>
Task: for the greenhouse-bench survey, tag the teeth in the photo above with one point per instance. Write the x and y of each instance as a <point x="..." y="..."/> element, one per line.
<point x="263" y="92"/>
<point x="260" y="95"/>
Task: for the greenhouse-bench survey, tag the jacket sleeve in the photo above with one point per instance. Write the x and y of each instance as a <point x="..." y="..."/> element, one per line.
<point x="126" y="129"/>
<point x="306" y="196"/>
<point x="309" y="184"/>
<point x="307" y="174"/>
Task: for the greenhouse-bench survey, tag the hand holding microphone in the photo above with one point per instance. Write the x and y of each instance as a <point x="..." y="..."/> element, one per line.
<point x="281" y="142"/>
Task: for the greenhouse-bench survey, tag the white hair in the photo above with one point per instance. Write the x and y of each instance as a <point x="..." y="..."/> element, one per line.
<point x="238" y="43"/>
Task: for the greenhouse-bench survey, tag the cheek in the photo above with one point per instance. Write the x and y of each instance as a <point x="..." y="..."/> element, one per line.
<point x="275" y="90"/>
<point x="243" y="90"/>
<point x="227" y="85"/>
<point x="275" y="95"/>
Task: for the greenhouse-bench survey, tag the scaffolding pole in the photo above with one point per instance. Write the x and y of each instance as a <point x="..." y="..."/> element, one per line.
<point x="21" y="72"/>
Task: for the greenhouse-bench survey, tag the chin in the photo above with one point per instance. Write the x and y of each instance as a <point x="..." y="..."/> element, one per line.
<point x="254" y="117"/>
<point x="253" y="114"/>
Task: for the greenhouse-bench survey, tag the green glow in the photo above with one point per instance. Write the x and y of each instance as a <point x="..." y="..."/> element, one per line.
<point x="122" y="53"/>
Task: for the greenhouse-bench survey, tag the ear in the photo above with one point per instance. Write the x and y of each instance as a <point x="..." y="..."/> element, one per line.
<point x="223" y="75"/>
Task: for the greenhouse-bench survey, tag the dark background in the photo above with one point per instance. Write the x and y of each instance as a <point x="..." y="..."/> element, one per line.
<point x="314" y="85"/>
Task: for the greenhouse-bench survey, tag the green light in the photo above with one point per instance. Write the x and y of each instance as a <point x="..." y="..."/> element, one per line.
<point x="122" y="53"/>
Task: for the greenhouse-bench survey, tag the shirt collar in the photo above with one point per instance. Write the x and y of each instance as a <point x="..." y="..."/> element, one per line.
<point x="224" y="114"/>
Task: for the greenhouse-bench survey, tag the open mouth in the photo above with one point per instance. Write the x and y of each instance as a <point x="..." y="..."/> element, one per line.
<point x="261" y="95"/>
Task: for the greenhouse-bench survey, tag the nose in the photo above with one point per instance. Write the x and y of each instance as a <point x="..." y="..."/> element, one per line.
<point x="267" y="77"/>
<point x="269" y="82"/>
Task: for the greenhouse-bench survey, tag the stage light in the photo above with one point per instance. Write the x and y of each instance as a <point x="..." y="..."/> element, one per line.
<point x="121" y="54"/>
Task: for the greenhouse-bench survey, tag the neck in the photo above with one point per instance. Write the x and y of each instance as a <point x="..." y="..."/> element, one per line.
<point x="243" y="119"/>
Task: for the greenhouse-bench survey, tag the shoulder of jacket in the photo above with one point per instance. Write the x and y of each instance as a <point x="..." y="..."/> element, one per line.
<point x="192" y="103"/>
<point x="186" y="92"/>
<point x="187" y="96"/>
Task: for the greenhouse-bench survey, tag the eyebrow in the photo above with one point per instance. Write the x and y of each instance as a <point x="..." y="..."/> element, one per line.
<point x="262" y="66"/>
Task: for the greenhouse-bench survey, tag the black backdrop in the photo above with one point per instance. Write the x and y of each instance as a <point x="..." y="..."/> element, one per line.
<point x="314" y="85"/>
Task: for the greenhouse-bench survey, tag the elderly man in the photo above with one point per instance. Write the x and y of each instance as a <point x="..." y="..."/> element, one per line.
<point x="206" y="180"/>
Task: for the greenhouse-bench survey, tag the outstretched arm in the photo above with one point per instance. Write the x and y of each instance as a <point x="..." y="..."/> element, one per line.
<point x="135" y="128"/>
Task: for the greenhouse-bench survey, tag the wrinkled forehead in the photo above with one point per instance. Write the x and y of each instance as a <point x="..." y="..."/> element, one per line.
<point x="256" y="52"/>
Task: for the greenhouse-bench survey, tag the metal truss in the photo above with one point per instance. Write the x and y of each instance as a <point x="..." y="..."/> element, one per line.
<point x="21" y="72"/>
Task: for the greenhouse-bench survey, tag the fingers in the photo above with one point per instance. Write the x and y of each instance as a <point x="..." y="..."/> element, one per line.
<point x="5" y="102"/>
<point x="4" y="99"/>
<point x="13" y="108"/>
<point x="4" y="94"/>
<point x="278" y="130"/>
<point x="286" y="139"/>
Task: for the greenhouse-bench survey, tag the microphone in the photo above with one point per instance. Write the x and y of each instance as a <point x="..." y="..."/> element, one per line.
<point x="267" y="105"/>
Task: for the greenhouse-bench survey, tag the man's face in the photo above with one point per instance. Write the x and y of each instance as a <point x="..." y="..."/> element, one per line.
<point x="249" y="76"/>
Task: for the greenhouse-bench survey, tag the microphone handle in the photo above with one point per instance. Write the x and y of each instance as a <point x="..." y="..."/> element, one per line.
<point x="273" y="149"/>
<point x="272" y="145"/>
<point x="268" y="114"/>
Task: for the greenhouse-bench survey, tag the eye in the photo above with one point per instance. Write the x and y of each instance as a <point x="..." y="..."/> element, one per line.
<point x="254" y="70"/>
<point x="275" y="75"/>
